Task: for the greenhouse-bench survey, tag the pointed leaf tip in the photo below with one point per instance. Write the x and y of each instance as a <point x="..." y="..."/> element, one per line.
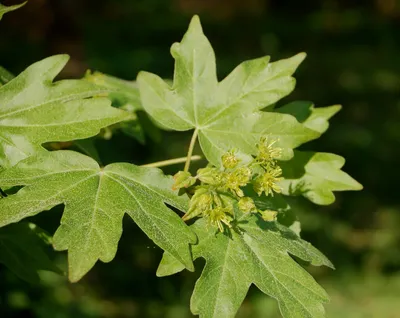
<point x="195" y="24"/>
<point x="5" y="9"/>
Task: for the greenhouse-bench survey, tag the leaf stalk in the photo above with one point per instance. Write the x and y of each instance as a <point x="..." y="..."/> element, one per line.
<point x="190" y="151"/>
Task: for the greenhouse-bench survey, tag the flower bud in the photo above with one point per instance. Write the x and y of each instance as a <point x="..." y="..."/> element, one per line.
<point x="247" y="205"/>
<point x="269" y="215"/>
<point x="209" y="175"/>
<point x="201" y="201"/>
<point x="183" y="179"/>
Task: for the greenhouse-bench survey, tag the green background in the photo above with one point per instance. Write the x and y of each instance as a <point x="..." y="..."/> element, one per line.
<point x="353" y="59"/>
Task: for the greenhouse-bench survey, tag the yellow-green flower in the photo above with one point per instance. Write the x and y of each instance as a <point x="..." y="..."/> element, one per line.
<point x="229" y="160"/>
<point x="240" y="177"/>
<point x="267" y="182"/>
<point x="267" y="153"/>
<point x="219" y="216"/>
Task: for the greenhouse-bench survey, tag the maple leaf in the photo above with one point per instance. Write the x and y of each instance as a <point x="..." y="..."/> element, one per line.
<point x="257" y="252"/>
<point x="225" y="114"/>
<point x="96" y="200"/>
<point x="22" y="250"/>
<point x="315" y="175"/>
<point x="33" y="110"/>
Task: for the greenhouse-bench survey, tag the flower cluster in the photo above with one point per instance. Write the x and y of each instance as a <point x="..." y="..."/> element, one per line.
<point x="214" y="192"/>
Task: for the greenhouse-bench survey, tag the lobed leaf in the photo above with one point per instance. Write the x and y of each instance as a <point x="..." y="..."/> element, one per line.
<point x="315" y="175"/>
<point x="96" y="200"/>
<point x="257" y="253"/>
<point x="225" y="114"/>
<point x="33" y="110"/>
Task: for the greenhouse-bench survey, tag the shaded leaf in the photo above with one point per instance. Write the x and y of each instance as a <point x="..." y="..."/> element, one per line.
<point x="315" y="175"/>
<point x="125" y="95"/>
<point x="33" y="110"/>
<point x="311" y="117"/>
<point x="23" y="251"/>
<point x="96" y="200"/>
<point x="5" y="76"/>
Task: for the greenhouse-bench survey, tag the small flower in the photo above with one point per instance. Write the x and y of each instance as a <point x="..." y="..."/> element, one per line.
<point x="229" y="160"/>
<point x="247" y="205"/>
<point x="183" y="179"/>
<point x="268" y="181"/>
<point x="219" y="216"/>
<point x="267" y="153"/>
<point x="268" y="215"/>
<point x="240" y="177"/>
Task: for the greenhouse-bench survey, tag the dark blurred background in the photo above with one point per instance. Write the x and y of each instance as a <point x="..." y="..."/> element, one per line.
<point x="353" y="59"/>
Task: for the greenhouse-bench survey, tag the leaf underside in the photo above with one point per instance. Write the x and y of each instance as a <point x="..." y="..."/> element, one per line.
<point x="315" y="175"/>
<point x="95" y="202"/>
<point x="22" y="250"/>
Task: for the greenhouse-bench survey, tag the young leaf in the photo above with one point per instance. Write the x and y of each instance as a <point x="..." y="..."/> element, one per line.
<point x="5" y="9"/>
<point x="96" y="200"/>
<point x="311" y="117"/>
<point x="226" y="114"/>
<point x="33" y="110"/>
<point x="257" y="253"/>
<point x="315" y="175"/>
<point x="22" y="250"/>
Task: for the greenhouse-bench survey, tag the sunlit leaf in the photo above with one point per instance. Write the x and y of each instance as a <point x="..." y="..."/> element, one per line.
<point x="33" y="110"/>
<point x="315" y="175"/>
<point x="226" y="114"/>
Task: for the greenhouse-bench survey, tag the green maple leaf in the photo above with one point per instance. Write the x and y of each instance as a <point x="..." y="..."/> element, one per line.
<point x="33" y="110"/>
<point x="311" y="117"/>
<point x="257" y="253"/>
<point x="224" y="114"/>
<point x="5" y="9"/>
<point x="315" y="175"/>
<point x="96" y="200"/>
<point x="22" y="250"/>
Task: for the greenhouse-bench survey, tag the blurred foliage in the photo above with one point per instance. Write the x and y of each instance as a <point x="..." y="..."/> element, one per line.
<point x="353" y="58"/>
